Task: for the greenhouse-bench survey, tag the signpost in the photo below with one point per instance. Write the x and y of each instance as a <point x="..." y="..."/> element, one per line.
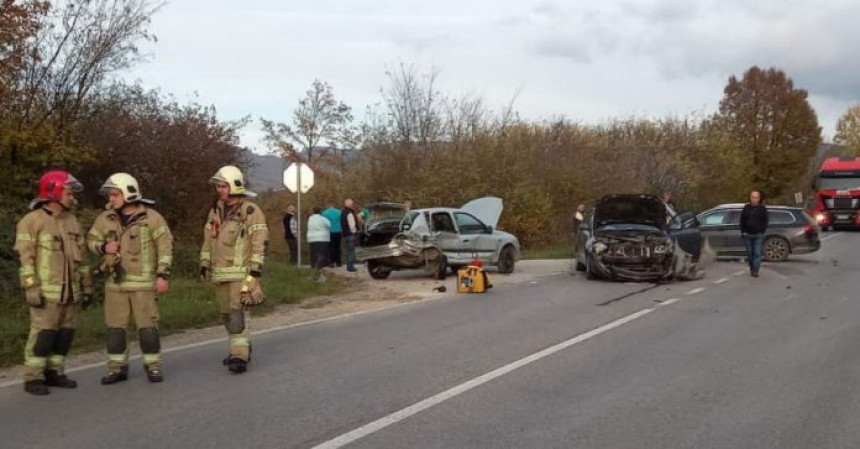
<point x="298" y="178"/>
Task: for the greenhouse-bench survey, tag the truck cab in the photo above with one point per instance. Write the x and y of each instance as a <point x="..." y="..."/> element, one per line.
<point x="837" y="193"/>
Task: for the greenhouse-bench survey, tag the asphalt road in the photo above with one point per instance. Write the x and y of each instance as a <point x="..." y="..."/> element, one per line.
<point x="724" y="362"/>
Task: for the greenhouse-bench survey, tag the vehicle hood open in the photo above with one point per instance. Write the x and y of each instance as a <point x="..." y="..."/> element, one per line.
<point x="636" y="209"/>
<point x="385" y="211"/>
<point x="487" y="209"/>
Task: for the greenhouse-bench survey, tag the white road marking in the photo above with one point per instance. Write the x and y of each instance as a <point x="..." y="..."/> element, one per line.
<point x="696" y="291"/>
<point x="830" y="236"/>
<point x="457" y="390"/>
<point x="721" y="280"/>
<point x="778" y="274"/>
<point x="738" y="273"/>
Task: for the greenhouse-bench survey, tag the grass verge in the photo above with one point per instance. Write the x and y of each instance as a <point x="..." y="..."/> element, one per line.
<point x="190" y="304"/>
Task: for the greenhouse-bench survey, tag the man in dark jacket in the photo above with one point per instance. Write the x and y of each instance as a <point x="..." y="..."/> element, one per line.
<point x="291" y="231"/>
<point x="754" y="222"/>
<point x="349" y="227"/>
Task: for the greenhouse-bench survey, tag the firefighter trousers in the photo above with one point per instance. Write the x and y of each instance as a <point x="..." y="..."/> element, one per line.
<point x="234" y="316"/>
<point x="52" y="329"/>
<point x="119" y="307"/>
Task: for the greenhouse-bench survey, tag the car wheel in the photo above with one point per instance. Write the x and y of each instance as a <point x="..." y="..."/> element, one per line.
<point x="377" y="270"/>
<point x="441" y="269"/>
<point x="776" y="249"/>
<point x="506" y="260"/>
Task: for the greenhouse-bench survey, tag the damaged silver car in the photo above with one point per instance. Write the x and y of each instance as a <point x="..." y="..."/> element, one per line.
<point x="638" y="238"/>
<point x="436" y="239"/>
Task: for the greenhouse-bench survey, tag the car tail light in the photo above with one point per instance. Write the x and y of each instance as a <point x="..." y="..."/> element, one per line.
<point x="810" y="230"/>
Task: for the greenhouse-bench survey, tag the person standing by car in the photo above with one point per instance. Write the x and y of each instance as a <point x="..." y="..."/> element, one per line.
<point x="578" y="216"/>
<point x="291" y="229"/>
<point x="333" y="215"/>
<point x="754" y="221"/>
<point x="319" y="237"/>
<point x="349" y="227"/>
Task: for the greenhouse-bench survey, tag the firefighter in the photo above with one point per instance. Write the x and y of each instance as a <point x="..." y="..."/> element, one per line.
<point x="235" y="237"/>
<point x="136" y="247"/>
<point x="50" y="245"/>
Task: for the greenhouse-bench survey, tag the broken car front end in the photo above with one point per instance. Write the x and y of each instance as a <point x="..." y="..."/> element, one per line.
<point x="637" y="256"/>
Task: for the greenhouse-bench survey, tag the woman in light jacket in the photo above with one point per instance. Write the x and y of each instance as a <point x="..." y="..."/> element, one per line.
<point x="319" y="236"/>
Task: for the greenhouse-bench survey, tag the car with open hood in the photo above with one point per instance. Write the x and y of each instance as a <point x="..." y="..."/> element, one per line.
<point x="639" y="238"/>
<point x="436" y="239"/>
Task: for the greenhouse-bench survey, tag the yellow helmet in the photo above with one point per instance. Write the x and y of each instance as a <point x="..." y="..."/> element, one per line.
<point x="233" y="177"/>
<point x="126" y="184"/>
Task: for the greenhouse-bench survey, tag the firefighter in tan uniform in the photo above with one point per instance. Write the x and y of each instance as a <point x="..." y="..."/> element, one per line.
<point x="50" y="245"/>
<point x="234" y="244"/>
<point x="136" y="247"/>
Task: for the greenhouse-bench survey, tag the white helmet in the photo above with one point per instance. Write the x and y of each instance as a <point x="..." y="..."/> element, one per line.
<point x="233" y="177"/>
<point x="126" y="184"/>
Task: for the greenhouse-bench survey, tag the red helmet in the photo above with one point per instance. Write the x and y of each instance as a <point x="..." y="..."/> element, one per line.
<point x="53" y="182"/>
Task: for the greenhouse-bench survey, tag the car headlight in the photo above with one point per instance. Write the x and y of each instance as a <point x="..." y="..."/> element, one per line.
<point x="661" y="249"/>
<point x="820" y="217"/>
<point x="600" y="247"/>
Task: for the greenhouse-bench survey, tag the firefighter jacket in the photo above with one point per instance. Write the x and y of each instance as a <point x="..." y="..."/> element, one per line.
<point x="234" y="241"/>
<point x="145" y="247"/>
<point x="51" y="248"/>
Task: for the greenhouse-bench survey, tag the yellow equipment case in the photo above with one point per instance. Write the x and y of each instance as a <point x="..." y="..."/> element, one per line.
<point x="472" y="279"/>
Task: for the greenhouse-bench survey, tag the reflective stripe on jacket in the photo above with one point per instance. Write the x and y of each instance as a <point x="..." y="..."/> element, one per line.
<point x="234" y="241"/>
<point x="145" y="247"/>
<point x="50" y="247"/>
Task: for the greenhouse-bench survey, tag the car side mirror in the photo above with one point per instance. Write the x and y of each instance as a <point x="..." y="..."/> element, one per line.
<point x="489" y="229"/>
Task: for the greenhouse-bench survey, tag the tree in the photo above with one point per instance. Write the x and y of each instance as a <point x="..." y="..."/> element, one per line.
<point x="848" y="130"/>
<point x="773" y="126"/>
<point x="321" y="124"/>
<point x="54" y="62"/>
<point x="19" y="22"/>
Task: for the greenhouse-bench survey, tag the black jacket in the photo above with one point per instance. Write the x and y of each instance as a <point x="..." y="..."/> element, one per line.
<point x="344" y="221"/>
<point x="288" y="226"/>
<point x="754" y="219"/>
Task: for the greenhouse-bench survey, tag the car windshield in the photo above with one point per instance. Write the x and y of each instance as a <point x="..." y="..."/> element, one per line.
<point x="838" y="183"/>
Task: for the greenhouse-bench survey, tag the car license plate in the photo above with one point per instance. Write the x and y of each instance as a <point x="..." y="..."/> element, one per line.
<point x="842" y="217"/>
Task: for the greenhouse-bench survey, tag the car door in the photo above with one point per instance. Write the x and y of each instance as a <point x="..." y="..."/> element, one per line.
<point x="475" y="238"/>
<point x="712" y="226"/>
<point x="687" y="235"/>
<point x="446" y="235"/>
<point x="734" y="242"/>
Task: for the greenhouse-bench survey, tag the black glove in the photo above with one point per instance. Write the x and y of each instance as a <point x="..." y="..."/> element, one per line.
<point x="34" y="297"/>
<point x="87" y="301"/>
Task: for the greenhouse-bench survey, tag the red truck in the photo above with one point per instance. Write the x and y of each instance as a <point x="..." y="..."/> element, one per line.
<point x="837" y="193"/>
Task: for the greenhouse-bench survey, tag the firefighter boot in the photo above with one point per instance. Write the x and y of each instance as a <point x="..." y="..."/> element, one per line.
<point x="54" y="379"/>
<point x="237" y="365"/>
<point x="113" y="377"/>
<point x="36" y="387"/>
<point x="154" y="374"/>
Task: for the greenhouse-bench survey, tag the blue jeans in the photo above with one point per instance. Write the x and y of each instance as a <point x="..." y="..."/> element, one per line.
<point x="350" y="252"/>
<point x="754" y="243"/>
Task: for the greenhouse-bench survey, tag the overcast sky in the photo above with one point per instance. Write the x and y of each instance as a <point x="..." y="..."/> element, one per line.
<point x="587" y="61"/>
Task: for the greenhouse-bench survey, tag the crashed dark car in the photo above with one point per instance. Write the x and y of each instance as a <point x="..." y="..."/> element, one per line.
<point x="638" y="238"/>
